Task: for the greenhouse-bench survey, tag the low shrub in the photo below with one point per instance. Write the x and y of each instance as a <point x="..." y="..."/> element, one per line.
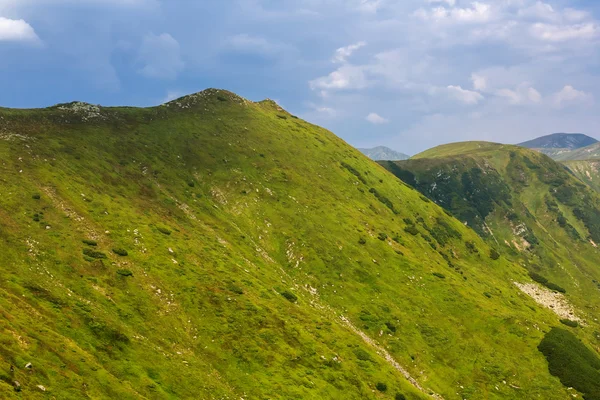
<point x="362" y="240"/>
<point x="36" y="196"/>
<point x="572" y="362"/>
<point x="94" y="254"/>
<point x="494" y="255"/>
<point x="382" y="236"/>
<point x="120" y="252"/>
<point x="568" y="322"/>
<point x="382" y="387"/>
<point x="291" y="297"/>
<point x="400" y="396"/>
<point x="412" y="230"/>
<point x="90" y="242"/>
<point x="441" y="276"/>
<point x="163" y="230"/>
<point x="555" y="287"/>
<point x="124" y="272"/>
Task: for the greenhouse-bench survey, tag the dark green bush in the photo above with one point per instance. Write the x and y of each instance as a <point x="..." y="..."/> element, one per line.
<point x="382" y="236"/>
<point x="382" y="387"/>
<point x="441" y="276"/>
<point x="568" y="322"/>
<point x="471" y="247"/>
<point x="290" y="296"/>
<point x="494" y="255"/>
<point x="124" y="272"/>
<point x="120" y="252"/>
<point x="36" y="196"/>
<point x="390" y="326"/>
<point x="555" y="287"/>
<point x="412" y="230"/>
<point x="384" y="200"/>
<point x="362" y="240"/>
<point x="362" y="355"/>
<point x="572" y="362"/>
<point x="354" y="172"/>
<point x="538" y="278"/>
<point x="93" y="254"/>
<point x="400" y="396"/>
<point x="163" y="230"/>
<point x="281" y="116"/>
<point x="90" y="242"/>
<point x="221" y="98"/>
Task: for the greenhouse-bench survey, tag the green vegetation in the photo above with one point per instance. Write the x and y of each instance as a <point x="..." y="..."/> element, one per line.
<point x="120" y="252"/>
<point x="568" y="322"/>
<point x="572" y="362"/>
<point x="253" y="282"/>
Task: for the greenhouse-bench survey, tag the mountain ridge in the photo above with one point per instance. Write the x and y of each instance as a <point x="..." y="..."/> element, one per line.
<point x="221" y="248"/>
<point x="569" y="141"/>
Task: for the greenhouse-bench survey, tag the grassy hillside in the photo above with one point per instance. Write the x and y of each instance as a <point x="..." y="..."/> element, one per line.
<point x="527" y="206"/>
<point x="587" y="171"/>
<point x="216" y="248"/>
<point x="584" y="153"/>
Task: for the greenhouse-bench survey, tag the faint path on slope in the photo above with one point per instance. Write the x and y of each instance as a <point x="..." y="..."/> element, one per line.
<point x="388" y="357"/>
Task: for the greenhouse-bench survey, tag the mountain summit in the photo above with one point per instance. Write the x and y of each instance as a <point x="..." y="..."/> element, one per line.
<point x="569" y="141"/>
<point x="382" y="153"/>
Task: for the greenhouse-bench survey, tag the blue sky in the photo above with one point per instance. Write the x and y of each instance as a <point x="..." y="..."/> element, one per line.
<point x="409" y="74"/>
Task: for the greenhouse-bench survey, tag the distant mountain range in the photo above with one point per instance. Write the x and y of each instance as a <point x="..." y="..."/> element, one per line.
<point x="382" y="153"/>
<point x="568" y="141"/>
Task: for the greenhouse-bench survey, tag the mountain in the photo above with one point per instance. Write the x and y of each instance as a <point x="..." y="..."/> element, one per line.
<point x="218" y="248"/>
<point x="532" y="210"/>
<point x="384" y="153"/>
<point x="568" y="141"/>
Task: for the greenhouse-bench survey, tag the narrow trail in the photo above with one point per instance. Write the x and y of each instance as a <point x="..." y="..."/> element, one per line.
<point x="388" y="357"/>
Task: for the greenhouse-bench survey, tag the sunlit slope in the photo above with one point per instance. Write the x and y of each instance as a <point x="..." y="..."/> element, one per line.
<point x="216" y="248"/>
<point x="530" y="208"/>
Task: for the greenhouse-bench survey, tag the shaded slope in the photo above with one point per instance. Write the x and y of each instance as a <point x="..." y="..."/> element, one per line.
<point x="251" y="237"/>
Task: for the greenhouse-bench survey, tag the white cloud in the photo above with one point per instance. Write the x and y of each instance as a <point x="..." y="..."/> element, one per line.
<point x="160" y="56"/>
<point x="479" y="82"/>
<point x="464" y="96"/>
<point x="16" y="30"/>
<point x="345" y="77"/>
<point x="376" y="119"/>
<point x="523" y="94"/>
<point x="343" y="53"/>
<point x="571" y="96"/>
<point x="477" y="13"/>
<point x="561" y="33"/>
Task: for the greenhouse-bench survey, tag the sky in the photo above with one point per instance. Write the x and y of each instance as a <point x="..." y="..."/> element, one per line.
<point x="408" y="74"/>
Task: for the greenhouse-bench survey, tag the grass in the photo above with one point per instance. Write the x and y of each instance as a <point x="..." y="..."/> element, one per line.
<point x="198" y="308"/>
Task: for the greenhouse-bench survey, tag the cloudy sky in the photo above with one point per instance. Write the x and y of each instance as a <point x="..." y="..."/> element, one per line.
<point x="409" y="74"/>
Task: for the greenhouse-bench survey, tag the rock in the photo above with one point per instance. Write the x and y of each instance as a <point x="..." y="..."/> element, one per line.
<point x="42" y="388"/>
<point x="17" y="386"/>
<point x="28" y="365"/>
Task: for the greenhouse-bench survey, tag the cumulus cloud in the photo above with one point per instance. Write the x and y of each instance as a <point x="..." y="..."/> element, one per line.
<point x="16" y="30"/>
<point x="160" y="56"/>
<point x="477" y="13"/>
<point x="561" y="33"/>
<point x="463" y="95"/>
<point x="569" y="96"/>
<point x="345" y="77"/>
<point x="523" y="94"/>
<point x="343" y="53"/>
<point x="376" y="119"/>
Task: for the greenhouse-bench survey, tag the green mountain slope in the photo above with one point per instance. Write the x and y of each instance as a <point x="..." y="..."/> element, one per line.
<point x="216" y="248"/>
<point x="584" y="153"/>
<point x="527" y="206"/>
<point x="587" y="171"/>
